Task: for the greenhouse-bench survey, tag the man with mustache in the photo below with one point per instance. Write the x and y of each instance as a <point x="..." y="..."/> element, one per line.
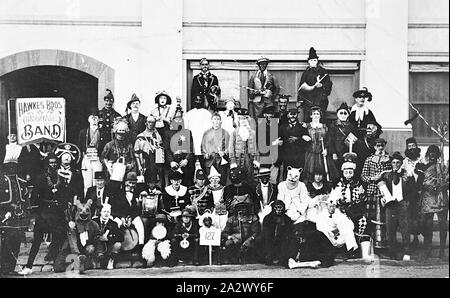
<point x="412" y="158"/>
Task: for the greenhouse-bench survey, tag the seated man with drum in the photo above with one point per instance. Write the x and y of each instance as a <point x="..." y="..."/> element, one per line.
<point x="125" y="209"/>
<point x="185" y="239"/>
<point x="150" y="200"/>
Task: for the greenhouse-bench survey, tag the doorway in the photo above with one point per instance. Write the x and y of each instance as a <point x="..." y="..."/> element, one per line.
<point x="80" y="90"/>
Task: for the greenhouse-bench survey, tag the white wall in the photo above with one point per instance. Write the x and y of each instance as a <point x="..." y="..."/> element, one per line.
<point x="281" y="29"/>
<point x="71" y="9"/>
<point x="428" y="38"/>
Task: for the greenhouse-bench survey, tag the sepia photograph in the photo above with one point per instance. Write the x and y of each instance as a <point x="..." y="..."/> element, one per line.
<point x="226" y="145"/>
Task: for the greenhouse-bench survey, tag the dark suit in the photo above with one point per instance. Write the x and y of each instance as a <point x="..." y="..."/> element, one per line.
<point x="136" y="127"/>
<point x="114" y="235"/>
<point x="272" y="194"/>
<point x="201" y="85"/>
<point x="120" y="207"/>
<point x="91" y="193"/>
<point x="84" y="139"/>
<point x="105" y="124"/>
<point x="293" y="154"/>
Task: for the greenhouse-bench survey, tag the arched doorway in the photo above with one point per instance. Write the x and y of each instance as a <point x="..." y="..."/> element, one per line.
<point x="80" y="79"/>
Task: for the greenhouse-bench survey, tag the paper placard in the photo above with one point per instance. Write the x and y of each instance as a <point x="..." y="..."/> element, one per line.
<point x="210" y="236"/>
<point x="40" y="119"/>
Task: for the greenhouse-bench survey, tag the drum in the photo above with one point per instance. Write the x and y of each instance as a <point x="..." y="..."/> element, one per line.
<point x="130" y="239"/>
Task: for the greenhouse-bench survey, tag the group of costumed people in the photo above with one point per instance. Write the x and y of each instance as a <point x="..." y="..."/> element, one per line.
<point x="147" y="185"/>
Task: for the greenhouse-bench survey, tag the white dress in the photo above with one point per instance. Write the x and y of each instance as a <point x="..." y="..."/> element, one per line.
<point x="197" y="121"/>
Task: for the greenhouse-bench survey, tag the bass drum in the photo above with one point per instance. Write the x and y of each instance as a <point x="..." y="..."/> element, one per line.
<point x="130" y="239"/>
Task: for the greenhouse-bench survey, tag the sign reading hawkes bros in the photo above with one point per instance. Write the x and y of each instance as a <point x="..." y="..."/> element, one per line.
<point x="40" y="119"/>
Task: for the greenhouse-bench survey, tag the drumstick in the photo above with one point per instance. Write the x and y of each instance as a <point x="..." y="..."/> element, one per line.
<point x="320" y="80"/>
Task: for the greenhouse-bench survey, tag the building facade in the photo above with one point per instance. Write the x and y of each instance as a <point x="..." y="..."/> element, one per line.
<point x="77" y="48"/>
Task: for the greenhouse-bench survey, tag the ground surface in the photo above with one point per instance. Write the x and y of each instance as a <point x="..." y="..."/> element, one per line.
<point x="381" y="267"/>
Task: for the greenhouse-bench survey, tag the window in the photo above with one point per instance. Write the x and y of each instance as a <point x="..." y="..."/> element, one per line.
<point x="428" y="91"/>
<point x="233" y="75"/>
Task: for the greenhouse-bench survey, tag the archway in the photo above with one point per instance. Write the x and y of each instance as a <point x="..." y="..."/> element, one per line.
<point x="47" y="72"/>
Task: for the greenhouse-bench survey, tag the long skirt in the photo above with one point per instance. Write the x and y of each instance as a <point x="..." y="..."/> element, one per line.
<point x="314" y="162"/>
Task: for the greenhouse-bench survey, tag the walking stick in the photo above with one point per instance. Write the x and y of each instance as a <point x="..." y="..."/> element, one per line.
<point x="325" y="160"/>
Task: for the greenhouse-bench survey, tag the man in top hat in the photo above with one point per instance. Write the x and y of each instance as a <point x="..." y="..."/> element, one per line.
<point x="106" y="117"/>
<point x="361" y="115"/>
<point x="215" y="145"/>
<point x="263" y="89"/>
<point x="402" y="188"/>
<point x="97" y="193"/>
<point x="136" y="120"/>
<point x="200" y="196"/>
<point x="229" y="117"/>
<point x="433" y="182"/>
<point x="110" y="240"/>
<point x="314" y="87"/>
<point x="338" y="133"/>
<point x="374" y="166"/>
<point x="185" y="239"/>
<point x="202" y="84"/>
<point x="293" y="139"/>
<point x="145" y="147"/>
<point x="266" y="192"/>
<point x="412" y="158"/>
<point x="88" y="142"/>
<point x="175" y="197"/>
<point x="125" y="205"/>
<point x="243" y="148"/>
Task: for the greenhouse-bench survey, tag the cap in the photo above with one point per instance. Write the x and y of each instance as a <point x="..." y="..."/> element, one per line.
<point x="262" y="59"/>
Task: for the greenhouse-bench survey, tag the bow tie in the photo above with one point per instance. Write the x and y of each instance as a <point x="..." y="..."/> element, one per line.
<point x="264" y="186"/>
